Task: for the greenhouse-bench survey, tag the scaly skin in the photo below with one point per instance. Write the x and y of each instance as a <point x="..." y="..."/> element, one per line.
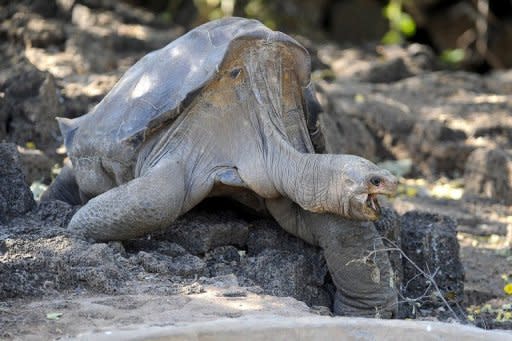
<point x="246" y="129"/>
<point x="364" y="288"/>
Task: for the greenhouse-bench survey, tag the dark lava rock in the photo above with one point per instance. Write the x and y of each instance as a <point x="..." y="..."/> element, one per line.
<point x="267" y="234"/>
<point x="201" y="232"/>
<point x="284" y="265"/>
<point x="186" y="265"/>
<point x="29" y="107"/>
<point x="224" y="254"/>
<point x="488" y="173"/>
<point x="34" y="30"/>
<point x="37" y="166"/>
<point x="162" y="246"/>
<point x="55" y="212"/>
<point x="223" y="260"/>
<point x="152" y="263"/>
<point x="285" y="273"/>
<point x="24" y="84"/>
<point x="33" y="265"/>
<point x="389" y="71"/>
<point x="15" y="195"/>
<point x="499" y="133"/>
<point x="347" y="135"/>
<point x="438" y="149"/>
<point x="364" y="122"/>
<point x="389" y="227"/>
<point x="430" y="241"/>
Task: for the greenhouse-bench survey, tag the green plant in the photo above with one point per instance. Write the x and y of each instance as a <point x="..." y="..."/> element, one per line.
<point x="401" y="24"/>
<point x="453" y="57"/>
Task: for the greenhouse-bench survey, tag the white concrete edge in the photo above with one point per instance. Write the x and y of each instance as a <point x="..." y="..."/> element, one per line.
<point x="270" y="327"/>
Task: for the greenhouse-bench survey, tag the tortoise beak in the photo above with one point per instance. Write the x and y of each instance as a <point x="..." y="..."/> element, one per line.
<point x="379" y="184"/>
<point x="382" y="184"/>
<point x="366" y="206"/>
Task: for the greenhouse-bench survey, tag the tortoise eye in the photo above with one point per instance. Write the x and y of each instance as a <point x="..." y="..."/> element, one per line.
<point x="376" y="181"/>
<point x="235" y="72"/>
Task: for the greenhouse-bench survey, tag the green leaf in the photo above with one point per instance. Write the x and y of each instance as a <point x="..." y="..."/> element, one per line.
<point x="454" y="56"/>
<point x="407" y="25"/>
<point x="392" y="37"/>
<point x="393" y="10"/>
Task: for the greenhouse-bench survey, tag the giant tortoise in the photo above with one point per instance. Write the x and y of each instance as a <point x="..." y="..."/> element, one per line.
<point x="227" y="109"/>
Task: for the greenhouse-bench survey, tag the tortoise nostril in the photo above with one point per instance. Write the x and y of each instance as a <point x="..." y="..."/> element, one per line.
<point x="376" y="181"/>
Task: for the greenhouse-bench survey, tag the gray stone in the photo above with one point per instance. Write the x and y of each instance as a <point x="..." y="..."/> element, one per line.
<point x="225" y="254"/>
<point x="390" y="70"/>
<point x="284" y="265"/>
<point x="379" y="113"/>
<point x="430" y="242"/>
<point x="264" y="235"/>
<point x="45" y="109"/>
<point x="185" y="266"/>
<point x="29" y="107"/>
<point x="20" y="87"/>
<point x="389" y="227"/>
<point x="35" y="31"/>
<point x="285" y="273"/>
<point x="223" y="260"/>
<point x="436" y="148"/>
<point x="488" y="173"/>
<point x="37" y="264"/>
<point x="37" y="166"/>
<point x="203" y="232"/>
<point x="170" y="249"/>
<point x="267" y="234"/>
<point x="380" y="124"/>
<point x="153" y="263"/>
<point x="150" y="245"/>
<point x="15" y="195"/>
<point x="55" y="213"/>
<point x="347" y="135"/>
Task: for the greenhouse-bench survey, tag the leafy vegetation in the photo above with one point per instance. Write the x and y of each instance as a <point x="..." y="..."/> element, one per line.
<point x="401" y="24"/>
<point x="454" y="56"/>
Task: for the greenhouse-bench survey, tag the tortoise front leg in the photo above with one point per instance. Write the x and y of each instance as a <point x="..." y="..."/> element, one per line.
<point x="143" y="205"/>
<point x="362" y="277"/>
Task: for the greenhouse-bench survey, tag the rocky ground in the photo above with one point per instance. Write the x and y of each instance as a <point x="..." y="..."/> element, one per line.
<point x="448" y="135"/>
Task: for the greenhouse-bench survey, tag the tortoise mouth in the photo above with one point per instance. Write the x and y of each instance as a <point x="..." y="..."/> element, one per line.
<point x="368" y="207"/>
<point x="372" y="208"/>
<point x="373" y="204"/>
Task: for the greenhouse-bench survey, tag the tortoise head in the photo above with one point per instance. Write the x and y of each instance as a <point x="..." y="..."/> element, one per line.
<point x="357" y="183"/>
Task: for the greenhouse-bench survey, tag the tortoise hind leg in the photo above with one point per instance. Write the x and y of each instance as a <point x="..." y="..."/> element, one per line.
<point x="64" y="188"/>
<point x="364" y="284"/>
<point x="140" y="206"/>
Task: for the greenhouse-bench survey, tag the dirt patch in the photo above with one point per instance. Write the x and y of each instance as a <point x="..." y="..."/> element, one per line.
<point x="71" y="315"/>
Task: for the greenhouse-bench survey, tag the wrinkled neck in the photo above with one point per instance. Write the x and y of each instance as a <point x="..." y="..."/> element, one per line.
<point x="311" y="180"/>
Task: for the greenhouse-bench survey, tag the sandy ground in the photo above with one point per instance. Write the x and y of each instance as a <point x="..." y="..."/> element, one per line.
<point x="37" y="319"/>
